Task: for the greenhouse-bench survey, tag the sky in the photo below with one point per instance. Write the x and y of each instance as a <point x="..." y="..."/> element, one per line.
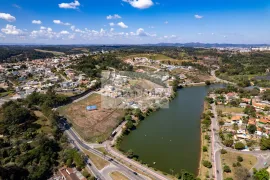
<point x="134" y="21"/>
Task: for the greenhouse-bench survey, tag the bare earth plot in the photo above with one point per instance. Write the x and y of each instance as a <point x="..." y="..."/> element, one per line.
<point x="92" y="126"/>
<point x="229" y="158"/>
<point x="118" y="176"/>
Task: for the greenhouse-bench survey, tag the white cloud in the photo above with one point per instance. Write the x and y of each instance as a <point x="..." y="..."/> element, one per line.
<point x="140" y="4"/>
<point x="72" y="5"/>
<point x="42" y="27"/>
<point x="72" y="28"/>
<point x="16" y="6"/>
<point x="111" y="24"/>
<point x="112" y="29"/>
<point x="61" y="23"/>
<point x="116" y="16"/>
<point x="64" y="32"/>
<point x="7" y="17"/>
<point x="166" y="22"/>
<point x="11" y="30"/>
<point x="141" y="32"/>
<point x="198" y="16"/>
<point x="36" y="22"/>
<point x="151" y="27"/>
<point x="122" y="25"/>
<point x="2" y="36"/>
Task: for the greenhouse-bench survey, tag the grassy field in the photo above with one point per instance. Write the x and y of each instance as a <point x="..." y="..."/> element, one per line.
<point x="53" y="52"/>
<point x="151" y="56"/>
<point x="45" y="124"/>
<point x="92" y="126"/>
<point x="98" y="162"/>
<point x="228" y="109"/>
<point x="229" y="158"/>
<point x="118" y="176"/>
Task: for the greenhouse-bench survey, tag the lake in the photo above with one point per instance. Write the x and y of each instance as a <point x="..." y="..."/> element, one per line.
<point x="170" y="138"/>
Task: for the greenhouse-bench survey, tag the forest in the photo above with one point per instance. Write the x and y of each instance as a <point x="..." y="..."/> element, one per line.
<point x="244" y="68"/>
<point x="32" y="146"/>
<point x="92" y="66"/>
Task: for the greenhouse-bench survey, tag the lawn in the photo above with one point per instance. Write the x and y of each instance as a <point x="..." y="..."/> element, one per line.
<point x="228" y="109"/>
<point x="118" y="176"/>
<point x="98" y="162"/>
<point x="92" y="126"/>
<point x="229" y="158"/>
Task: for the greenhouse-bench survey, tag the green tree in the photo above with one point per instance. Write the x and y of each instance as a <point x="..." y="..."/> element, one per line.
<point x="262" y="174"/>
<point x="251" y="128"/>
<point x="239" y="146"/>
<point x="130" y="154"/>
<point x="240" y="159"/>
<point x="227" y="169"/>
<point x="207" y="164"/>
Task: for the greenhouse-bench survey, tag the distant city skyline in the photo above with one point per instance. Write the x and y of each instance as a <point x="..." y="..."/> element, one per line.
<point x="134" y="21"/>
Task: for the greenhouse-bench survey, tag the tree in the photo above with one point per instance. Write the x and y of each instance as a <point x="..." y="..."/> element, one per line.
<point x="265" y="143"/>
<point x="227" y="169"/>
<point x="262" y="174"/>
<point x="228" y="143"/>
<point x="223" y="151"/>
<point x="130" y="154"/>
<point x="250" y="110"/>
<point x="13" y="113"/>
<point x="235" y="126"/>
<point x="239" y="146"/>
<point x="208" y="83"/>
<point x="239" y="159"/>
<point x="205" y="149"/>
<point x="207" y="164"/>
<point x="251" y="128"/>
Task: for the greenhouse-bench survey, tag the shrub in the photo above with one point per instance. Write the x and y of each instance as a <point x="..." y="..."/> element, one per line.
<point x="205" y="149"/>
<point x="238" y="164"/>
<point x="207" y="137"/>
<point x="240" y="159"/>
<point x="227" y="169"/>
<point x="239" y="146"/>
<point x="223" y="151"/>
<point x="207" y="164"/>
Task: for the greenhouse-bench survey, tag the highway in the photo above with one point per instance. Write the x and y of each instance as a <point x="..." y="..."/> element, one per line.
<point x="114" y="165"/>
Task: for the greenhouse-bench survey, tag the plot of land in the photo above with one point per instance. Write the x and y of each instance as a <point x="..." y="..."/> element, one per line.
<point x="96" y="125"/>
<point x="45" y="124"/>
<point x="53" y="52"/>
<point x="229" y="158"/>
<point x="228" y="109"/>
<point x="98" y="162"/>
<point x="118" y="176"/>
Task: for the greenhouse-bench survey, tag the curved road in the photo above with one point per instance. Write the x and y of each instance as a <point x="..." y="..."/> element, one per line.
<point x="101" y="174"/>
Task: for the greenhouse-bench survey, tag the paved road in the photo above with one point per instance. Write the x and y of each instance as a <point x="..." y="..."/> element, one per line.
<point x="262" y="156"/>
<point x="123" y="169"/>
<point x="213" y="73"/>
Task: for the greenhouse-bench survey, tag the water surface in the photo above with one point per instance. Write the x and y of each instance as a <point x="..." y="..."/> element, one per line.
<point x="170" y="138"/>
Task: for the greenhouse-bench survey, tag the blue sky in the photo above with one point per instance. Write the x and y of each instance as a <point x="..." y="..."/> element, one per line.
<point x="134" y="21"/>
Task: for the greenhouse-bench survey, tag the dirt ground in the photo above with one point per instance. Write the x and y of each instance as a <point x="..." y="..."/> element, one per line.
<point x="93" y="126"/>
<point x="229" y="158"/>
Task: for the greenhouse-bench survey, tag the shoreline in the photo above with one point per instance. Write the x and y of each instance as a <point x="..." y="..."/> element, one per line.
<point x="201" y="144"/>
